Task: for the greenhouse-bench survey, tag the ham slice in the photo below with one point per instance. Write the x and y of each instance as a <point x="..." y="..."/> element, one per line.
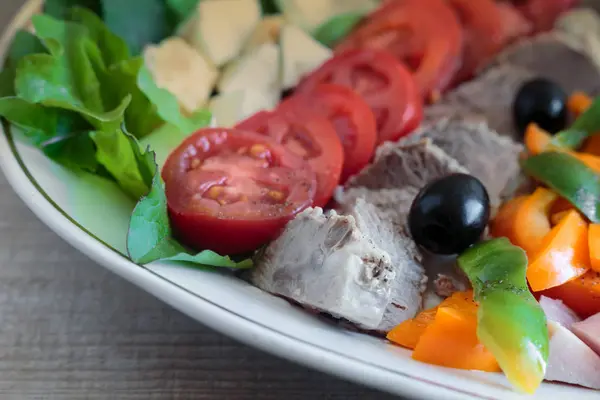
<point x="589" y="332"/>
<point x="571" y="360"/>
<point x="557" y="311"/>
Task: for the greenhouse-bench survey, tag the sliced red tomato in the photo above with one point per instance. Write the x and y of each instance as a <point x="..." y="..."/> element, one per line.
<point x="544" y="13"/>
<point x="383" y="82"/>
<point x="352" y="118"/>
<point x="483" y="33"/>
<point x="308" y="135"/>
<point x="425" y="34"/>
<point x="232" y="191"/>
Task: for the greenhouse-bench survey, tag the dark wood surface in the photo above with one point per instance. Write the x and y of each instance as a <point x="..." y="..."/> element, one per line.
<point x="71" y="330"/>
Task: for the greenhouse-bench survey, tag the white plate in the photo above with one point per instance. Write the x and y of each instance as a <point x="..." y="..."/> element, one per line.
<point x="87" y="221"/>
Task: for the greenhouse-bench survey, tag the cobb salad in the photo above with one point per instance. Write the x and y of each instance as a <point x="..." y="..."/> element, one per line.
<point x="425" y="171"/>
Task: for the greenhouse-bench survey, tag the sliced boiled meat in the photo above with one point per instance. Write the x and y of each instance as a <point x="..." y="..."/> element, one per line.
<point x="491" y="158"/>
<point x="589" y="331"/>
<point x="552" y="56"/>
<point x="581" y="28"/>
<point x="398" y="165"/>
<point x="557" y="311"/>
<point x="491" y="95"/>
<point x="390" y="184"/>
<point x="571" y="360"/>
<point x="591" y="4"/>
<point x="325" y="262"/>
<point x="391" y="235"/>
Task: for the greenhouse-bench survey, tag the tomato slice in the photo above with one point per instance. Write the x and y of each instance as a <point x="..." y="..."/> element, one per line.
<point x="352" y="118"/>
<point x="483" y="33"/>
<point x="425" y="34"/>
<point x="308" y="135"/>
<point x="232" y="191"/>
<point x="544" y="13"/>
<point x="383" y="82"/>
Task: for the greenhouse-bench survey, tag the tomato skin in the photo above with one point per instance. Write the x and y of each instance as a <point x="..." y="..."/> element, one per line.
<point x="350" y="115"/>
<point x="484" y="34"/>
<point x="427" y="31"/>
<point x="302" y="131"/>
<point x="207" y="163"/>
<point x="383" y="82"/>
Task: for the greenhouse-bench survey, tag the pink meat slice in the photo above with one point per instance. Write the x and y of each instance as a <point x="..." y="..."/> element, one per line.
<point x="557" y="311"/>
<point x="589" y="332"/>
<point x="571" y="360"/>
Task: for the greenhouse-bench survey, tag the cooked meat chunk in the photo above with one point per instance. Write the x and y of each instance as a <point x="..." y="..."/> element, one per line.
<point x="397" y="165"/>
<point x="581" y="28"/>
<point x="325" y="262"/>
<point x="444" y="278"/>
<point x="446" y="286"/>
<point x="491" y="158"/>
<point x="552" y="56"/>
<point x="589" y="332"/>
<point x="386" y="225"/>
<point x="557" y="311"/>
<point x="571" y="360"/>
<point x="380" y="198"/>
<point x="490" y="95"/>
<point x="393" y="204"/>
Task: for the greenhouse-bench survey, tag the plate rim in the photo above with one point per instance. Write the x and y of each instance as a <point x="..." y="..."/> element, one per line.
<point x="204" y="311"/>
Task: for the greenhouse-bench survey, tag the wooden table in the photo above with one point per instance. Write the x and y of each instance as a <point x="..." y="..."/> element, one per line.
<point x="69" y="329"/>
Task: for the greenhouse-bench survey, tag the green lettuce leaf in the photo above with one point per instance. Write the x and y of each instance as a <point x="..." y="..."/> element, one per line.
<point x="168" y="107"/>
<point x="150" y="236"/>
<point x="269" y="7"/>
<point x="141" y="117"/>
<point x="75" y="151"/>
<point x="43" y="79"/>
<point x="24" y="43"/>
<point x="69" y="72"/>
<point x="120" y="154"/>
<point x="182" y="8"/>
<point x="338" y="27"/>
<point x="61" y="8"/>
<point x="113" y="48"/>
<point x="61" y="135"/>
<point x="138" y="22"/>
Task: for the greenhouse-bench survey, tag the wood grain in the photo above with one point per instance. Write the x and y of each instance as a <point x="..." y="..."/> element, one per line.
<point x="69" y="329"/>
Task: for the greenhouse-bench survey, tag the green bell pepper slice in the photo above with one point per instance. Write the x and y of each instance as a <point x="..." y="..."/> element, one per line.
<point x="570" y="178"/>
<point x="511" y="323"/>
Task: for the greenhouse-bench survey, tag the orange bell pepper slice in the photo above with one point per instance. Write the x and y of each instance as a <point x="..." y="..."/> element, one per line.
<point x="536" y="139"/>
<point x="581" y="295"/>
<point x="503" y="222"/>
<point x="579" y="102"/>
<point x="594" y="244"/>
<point x="532" y="221"/>
<point x="408" y="333"/>
<point x="557" y="217"/>
<point x="451" y="341"/>
<point x="563" y="256"/>
<point x="592" y="145"/>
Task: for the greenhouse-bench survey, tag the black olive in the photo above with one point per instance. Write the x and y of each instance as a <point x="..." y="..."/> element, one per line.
<point x="543" y="102"/>
<point x="449" y="214"/>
